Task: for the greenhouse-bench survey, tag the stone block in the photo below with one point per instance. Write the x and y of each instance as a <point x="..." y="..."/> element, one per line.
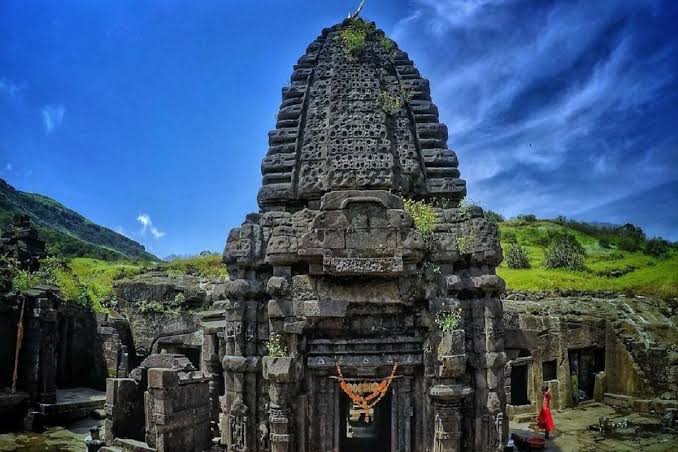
<point x="317" y="308"/>
<point x="278" y="369"/>
<point x="162" y="378"/>
<point x="452" y="366"/>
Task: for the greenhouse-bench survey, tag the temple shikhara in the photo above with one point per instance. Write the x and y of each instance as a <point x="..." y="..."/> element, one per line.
<point x="334" y="267"/>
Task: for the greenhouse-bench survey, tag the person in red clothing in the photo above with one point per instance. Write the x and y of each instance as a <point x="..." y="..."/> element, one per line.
<point x="545" y="420"/>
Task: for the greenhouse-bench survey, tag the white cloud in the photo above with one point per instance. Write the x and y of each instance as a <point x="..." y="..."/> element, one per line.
<point x="9" y="167"/>
<point x="147" y="225"/>
<point x="52" y="116"/>
<point x="11" y="89"/>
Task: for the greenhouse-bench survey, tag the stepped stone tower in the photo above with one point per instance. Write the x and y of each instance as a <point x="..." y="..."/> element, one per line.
<point x="333" y="272"/>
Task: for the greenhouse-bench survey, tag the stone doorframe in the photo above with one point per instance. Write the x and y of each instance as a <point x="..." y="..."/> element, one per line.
<point x="318" y="409"/>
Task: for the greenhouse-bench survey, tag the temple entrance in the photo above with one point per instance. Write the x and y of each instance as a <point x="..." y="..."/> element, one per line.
<point x="586" y="363"/>
<point x="358" y="434"/>
<point x="519" y="385"/>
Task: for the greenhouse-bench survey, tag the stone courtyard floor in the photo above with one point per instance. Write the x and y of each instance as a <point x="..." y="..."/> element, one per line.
<point x="54" y="439"/>
<point x="573" y="433"/>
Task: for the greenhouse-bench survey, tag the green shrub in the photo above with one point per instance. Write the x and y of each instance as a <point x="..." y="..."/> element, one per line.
<point x="465" y="244"/>
<point x="604" y="243"/>
<point x="494" y="216"/>
<point x="527" y="218"/>
<point x="509" y="237"/>
<point x="208" y="265"/>
<point x="423" y="215"/>
<point x="564" y="251"/>
<point x="353" y="36"/>
<point x="24" y="280"/>
<point x="388" y="45"/>
<point x="449" y="321"/>
<point x="151" y="307"/>
<point x="275" y="347"/>
<point x="8" y="269"/>
<point x="516" y="256"/>
<point x="657" y="247"/>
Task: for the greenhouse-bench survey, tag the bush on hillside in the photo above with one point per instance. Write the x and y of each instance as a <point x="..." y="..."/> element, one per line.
<point x="206" y="265"/>
<point x="516" y="256"/>
<point x="509" y="237"/>
<point x="494" y="216"/>
<point x="527" y="218"/>
<point x="564" y="251"/>
<point x="657" y="247"/>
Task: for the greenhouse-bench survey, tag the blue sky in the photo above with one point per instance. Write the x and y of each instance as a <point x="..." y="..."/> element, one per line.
<point x="151" y="117"/>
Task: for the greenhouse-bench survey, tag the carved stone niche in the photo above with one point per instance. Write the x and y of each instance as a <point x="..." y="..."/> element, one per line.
<point x="362" y="233"/>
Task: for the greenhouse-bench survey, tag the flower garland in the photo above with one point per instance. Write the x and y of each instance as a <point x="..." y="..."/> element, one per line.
<point x="376" y="391"/>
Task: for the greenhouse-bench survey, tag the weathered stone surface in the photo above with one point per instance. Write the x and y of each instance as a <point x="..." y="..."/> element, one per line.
<point x="349" y="278"/>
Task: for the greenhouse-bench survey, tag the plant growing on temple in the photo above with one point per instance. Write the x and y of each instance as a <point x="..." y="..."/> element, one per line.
<point x="179" y="299"/>
<point x="423" y="215"/>
<point x="151" y="307"/>
<point x="466" y="207"/>
<point x="465" y="244"/>
<point x="275" y="347"/>
<point x="353" y="36"/>
<point x="24" y="280"/>
<point x="390" y="104"/>
<point x="449" y="321"/>
<point x="516" y="256"/>
<point x="388" y="45"/>
<point x="564" y="251"/>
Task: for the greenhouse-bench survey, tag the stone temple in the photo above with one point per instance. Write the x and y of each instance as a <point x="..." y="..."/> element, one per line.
<point x="362" y="310"/>
<point x="333" y="267"/>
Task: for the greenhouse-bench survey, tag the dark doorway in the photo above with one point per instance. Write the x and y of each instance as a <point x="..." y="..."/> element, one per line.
<point x="519" y="385"/>
<point x="586" y="363"/>
<point x="549" y="370"/>
<point x="357" y="435"/>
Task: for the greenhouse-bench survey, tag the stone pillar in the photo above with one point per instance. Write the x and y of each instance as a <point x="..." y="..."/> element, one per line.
<point x="233" y="365"/>
<point x="124" y="409"/>
<point x="447" y="411"/>
<point x="38" y="355"/>
<point x="177" y="410"/>
<point x="280" y="373"/>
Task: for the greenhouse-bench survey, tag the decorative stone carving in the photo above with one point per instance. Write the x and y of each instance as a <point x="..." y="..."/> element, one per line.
<point x="334" y="267"/>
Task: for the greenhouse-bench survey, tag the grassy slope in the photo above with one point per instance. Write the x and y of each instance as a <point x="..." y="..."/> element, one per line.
<point x="651" y="276"/>
<point x="97" y="276"/>
<point x="66" y="232"/>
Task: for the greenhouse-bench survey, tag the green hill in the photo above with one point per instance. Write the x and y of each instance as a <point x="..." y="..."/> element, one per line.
<point x="617" y="259"/>
<point x="67" y="233"/>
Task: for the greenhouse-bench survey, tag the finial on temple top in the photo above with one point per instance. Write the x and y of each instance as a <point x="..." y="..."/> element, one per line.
<point x="357" y="11"/>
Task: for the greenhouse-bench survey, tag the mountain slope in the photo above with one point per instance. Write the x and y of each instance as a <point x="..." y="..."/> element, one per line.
<point x="67" y="233"/>
<point x="608" y="268"/>
<point x="659" y="203"/>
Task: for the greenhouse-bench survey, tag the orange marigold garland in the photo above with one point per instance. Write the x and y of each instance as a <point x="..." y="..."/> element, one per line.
<point x="354" y="391"/>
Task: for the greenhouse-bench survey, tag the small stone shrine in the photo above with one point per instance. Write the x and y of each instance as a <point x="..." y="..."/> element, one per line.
<point x="347" y="327"/>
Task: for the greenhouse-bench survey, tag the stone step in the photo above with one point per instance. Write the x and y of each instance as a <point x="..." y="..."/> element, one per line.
<point x="526" y="417"/>
<point x="132" y="445"/>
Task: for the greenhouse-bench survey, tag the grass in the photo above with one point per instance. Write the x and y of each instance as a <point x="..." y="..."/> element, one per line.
<point x="95" y="277"/>
<point x="207" y="265"/>
<point x="639" y="273"/>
